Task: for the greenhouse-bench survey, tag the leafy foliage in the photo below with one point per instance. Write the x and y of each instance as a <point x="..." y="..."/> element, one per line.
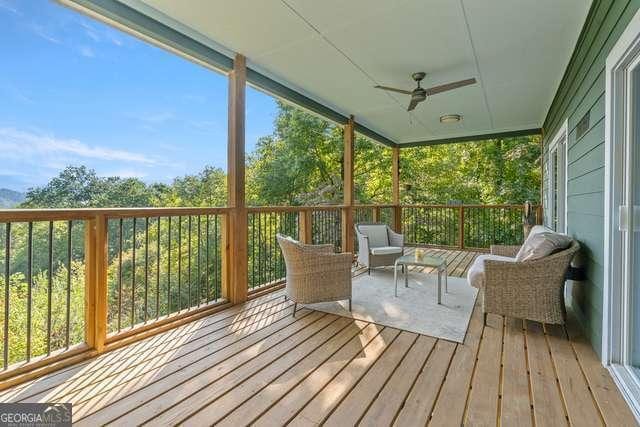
<point x="495" y="171"/>
<point x="301" y="163"/>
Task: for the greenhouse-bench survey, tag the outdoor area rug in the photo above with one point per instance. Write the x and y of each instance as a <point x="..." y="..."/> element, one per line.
<point x="415" y="309"/>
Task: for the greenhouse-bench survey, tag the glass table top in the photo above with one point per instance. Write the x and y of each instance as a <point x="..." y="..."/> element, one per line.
<point x="421" y="259"/>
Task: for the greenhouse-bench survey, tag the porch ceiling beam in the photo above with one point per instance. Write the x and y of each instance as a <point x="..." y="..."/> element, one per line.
<point x="469" y="138"/>
<point x="130" y="20"/>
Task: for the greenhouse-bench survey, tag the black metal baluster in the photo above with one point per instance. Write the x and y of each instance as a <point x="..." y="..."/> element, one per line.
<point x="49" y="286"/>
<point x="272" y="237"/>
<point x="29" y="287"/>
<point x="7" y="272"/>
<point x="179" y="263"/>
<point x="267" y="247"/>
<point x="216" y="257"/>
<point x="169" y="268"/>
<point x="189" y="299"/>
<point x="253" y="250"/>
<point x="259" y="249"/>
<point x="207" y="260"/>
<point x="121" y="237"/>
<point x="133" y="273"/>
<point x="69" y="258"/>
<point x="265" y="253"/>
<point x="199" y="279"/>
<point x="146" y="267"/>
<point x="158" y="271"/>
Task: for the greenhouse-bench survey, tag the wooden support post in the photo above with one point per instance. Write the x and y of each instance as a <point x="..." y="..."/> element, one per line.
<point x="461" y="227"/>
<point x="347" y="186"/>
<point x="96" y="264"/>
<point x="542" y="177"/>
<point x="235" y="288"/>
<point x="375" y="216"/>
<point x="304" y="226"/>
<point x="395" y="173"/>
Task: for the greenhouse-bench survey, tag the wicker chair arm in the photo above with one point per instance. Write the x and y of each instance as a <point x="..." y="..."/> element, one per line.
<point x="505" y="250"/>
<point x="395" y="239"/>
<point x="363" y="241"/>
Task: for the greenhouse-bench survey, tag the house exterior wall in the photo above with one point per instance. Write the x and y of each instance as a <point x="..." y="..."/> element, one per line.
<point x="582" y="92"/>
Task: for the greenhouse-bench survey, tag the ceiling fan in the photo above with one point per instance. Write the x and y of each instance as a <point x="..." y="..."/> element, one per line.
<point x="419" y="94"/>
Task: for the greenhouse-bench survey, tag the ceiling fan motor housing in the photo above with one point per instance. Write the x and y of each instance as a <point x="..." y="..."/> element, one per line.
<point x="418" y="76"/>
<point x="419" y="94"/>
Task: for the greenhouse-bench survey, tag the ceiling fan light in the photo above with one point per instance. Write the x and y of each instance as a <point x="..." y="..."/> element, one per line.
<point x="450" y="118"/>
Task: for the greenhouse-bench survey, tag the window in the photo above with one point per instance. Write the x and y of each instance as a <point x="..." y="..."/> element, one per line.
<point x="555" y="191"/>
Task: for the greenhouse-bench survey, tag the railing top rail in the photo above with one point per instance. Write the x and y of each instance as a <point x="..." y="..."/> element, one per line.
<point x="370" y="205"/>
<point x="253" y="209"/>
<point x="501" y="206"/>
<point x="25" y="215"/>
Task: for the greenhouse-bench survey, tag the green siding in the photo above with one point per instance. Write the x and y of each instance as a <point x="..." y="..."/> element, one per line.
<point x="581" y="91"/>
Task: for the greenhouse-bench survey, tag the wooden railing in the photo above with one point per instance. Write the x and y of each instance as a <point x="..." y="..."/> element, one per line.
<point x="464" y="226"/>
<point x="265" y="262"/>
<point x="81" y="281"/>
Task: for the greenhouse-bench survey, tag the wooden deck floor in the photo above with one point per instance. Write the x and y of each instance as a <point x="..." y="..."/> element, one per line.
<point x="256" y="364"/>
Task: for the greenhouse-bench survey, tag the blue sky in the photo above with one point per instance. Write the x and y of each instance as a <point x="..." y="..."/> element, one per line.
<point x="77" y="92"/>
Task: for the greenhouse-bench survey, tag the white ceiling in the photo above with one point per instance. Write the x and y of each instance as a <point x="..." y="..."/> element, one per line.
<point x="335" y="51"/>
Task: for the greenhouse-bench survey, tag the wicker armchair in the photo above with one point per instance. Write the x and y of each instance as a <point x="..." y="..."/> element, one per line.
<point x="378" y="245"/>
<point x="532" y="290"/>
<point x="315" y="273"/>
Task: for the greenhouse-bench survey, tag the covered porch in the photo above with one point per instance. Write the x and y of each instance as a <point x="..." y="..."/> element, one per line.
<point x="177" y="315"/>
<point x="254" y="363"/>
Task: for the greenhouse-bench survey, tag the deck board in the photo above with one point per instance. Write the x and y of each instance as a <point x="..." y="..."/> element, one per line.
<point x="516" y="393"/>
<point x="484" y="395"/>
<point x="256" y="364"/>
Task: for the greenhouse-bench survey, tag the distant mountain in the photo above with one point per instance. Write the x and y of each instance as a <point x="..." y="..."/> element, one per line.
<point x="10" y="198"/>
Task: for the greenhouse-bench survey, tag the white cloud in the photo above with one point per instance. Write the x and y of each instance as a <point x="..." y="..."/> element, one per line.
<point x="124" y="173"/>
<point x="90" y="31"/>
<point x="44" y="33"/>
<point x="9" y="7"/>
<point x="86" y="51"/>
<point x="22" y="144"/>
<point x="114" y="39"/>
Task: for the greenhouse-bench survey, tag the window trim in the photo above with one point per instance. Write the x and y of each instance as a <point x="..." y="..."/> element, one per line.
<point x="561" y="136"/>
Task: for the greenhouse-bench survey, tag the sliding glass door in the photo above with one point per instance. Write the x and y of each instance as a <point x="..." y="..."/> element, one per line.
<point x="630" y="221"/>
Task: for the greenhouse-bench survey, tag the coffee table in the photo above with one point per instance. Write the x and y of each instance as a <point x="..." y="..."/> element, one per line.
<point x="436" y="262"/>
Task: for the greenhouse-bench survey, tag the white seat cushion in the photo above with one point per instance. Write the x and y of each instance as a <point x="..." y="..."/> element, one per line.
<point x="475" y="275"/>
<point x="377" y="235"/>
<point x="386" y="250"/>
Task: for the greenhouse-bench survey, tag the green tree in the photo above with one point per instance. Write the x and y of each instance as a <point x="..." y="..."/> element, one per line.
<point x="299" y="164"/>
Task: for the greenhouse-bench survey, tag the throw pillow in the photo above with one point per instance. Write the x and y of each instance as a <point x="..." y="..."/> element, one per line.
<point x="543" y="244"/>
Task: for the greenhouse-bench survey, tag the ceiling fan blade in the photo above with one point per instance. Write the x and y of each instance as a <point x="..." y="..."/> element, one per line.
<point x="412" y="105"/>
<point x="449" y="86"/>
<point x="393" y="89"/>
